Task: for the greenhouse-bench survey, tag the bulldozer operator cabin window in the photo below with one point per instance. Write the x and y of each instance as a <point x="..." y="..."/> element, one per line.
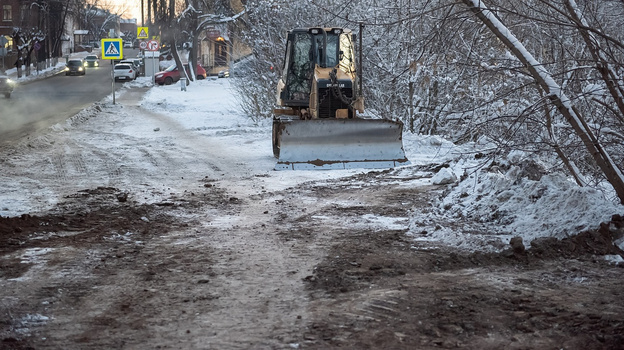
<point x="7" y="14"/>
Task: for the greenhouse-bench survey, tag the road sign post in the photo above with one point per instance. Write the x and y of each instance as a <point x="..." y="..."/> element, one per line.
<point x="112" y="49"/>
<point x="152" y="46"/>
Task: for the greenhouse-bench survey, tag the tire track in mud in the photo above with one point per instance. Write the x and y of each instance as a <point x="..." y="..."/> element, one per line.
<point x="111" y="165"/>
<point x="205" y="151"/>
<point x="258" y="278"/>
<point x="69" y="166"/>
<point x="58" y="162"/>
<point x="300" y="239"/>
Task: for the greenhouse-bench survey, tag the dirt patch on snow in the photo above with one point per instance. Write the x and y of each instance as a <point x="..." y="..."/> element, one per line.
<point x="319" y="266"/>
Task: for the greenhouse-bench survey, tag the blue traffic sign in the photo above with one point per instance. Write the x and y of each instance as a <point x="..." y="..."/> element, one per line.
<point x="112" y="49"/>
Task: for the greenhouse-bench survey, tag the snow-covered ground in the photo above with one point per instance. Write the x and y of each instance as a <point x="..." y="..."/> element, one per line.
<point x="130" y="145"/>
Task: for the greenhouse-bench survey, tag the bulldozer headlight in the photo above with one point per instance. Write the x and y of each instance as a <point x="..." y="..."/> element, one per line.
<point x="315" y="31"/>
<point x="337" y="30"/>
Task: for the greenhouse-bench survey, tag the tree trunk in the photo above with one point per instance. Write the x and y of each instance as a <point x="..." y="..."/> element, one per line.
<point x="602" y="65"/>
<point x="544" y="79"/>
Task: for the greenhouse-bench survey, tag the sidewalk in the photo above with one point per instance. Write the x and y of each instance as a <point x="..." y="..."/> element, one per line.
<point x="42" y="74"/>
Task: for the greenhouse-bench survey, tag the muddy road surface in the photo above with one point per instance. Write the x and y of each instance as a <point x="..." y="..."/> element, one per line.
<point x="300" y="268"/>
<point x="183" y="249"/>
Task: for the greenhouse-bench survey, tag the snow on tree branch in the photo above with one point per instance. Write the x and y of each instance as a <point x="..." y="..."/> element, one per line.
<point x="555" y="93"/>
<point x="211" y="19"/>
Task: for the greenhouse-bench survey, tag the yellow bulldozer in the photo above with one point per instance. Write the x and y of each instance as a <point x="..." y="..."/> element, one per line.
<point x="319" y="122"/>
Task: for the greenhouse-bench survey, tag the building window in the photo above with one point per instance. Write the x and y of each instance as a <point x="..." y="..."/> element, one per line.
<point x="7" y="14"/>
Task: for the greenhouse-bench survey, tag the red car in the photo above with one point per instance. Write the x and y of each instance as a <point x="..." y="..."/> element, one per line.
<point x="172" y="74"/>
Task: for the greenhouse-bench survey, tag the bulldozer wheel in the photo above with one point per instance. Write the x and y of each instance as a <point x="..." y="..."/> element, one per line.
<point x="276" y="146"/>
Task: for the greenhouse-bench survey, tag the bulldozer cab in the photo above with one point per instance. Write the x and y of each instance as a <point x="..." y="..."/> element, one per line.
<point x="307" y="49"/>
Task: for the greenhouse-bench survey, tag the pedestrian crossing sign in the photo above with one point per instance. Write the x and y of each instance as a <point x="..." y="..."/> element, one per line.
<point x="142" y="33"/>
<point x="112" y="49"/>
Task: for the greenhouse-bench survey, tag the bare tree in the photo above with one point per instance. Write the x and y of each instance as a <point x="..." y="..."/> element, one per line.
<point x="181" y="23"/>
<point x="31" y="32"/>
<point x="98" y="15"/>
<point x="554" y="93"/>
<point x="60" y="11"/>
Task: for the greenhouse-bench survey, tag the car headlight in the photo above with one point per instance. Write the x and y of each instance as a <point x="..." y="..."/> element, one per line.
<point x="159" y="75"/>
<point x="80" y="69"/>
<point x="97" y="64"/>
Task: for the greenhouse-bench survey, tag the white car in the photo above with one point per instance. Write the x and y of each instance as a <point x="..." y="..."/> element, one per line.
<point x="125" y="71"/>
<point x="134" y="62"/>
<point x="128" y="44"/>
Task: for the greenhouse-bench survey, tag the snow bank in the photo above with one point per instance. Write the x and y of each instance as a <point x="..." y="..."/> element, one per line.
<point x="509" y="203"/>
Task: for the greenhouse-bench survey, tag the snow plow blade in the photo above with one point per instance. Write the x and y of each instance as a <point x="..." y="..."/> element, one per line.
<point x="337" y="143"/>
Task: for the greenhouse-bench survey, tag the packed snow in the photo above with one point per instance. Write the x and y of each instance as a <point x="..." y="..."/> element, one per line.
<point x="481" y="208"/>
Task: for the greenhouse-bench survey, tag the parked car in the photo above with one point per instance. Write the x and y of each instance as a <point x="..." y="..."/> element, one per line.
<point x="172" y="74"/>
<point x="92" y="61"/>
<point x="132" y="63"/>
<point x="136" y="62"/>
<point x="6" y="86"/>
<point x="128" y="44"/>
<point x="75" y="66"/>
<point x="224" y="74"/>
<point x="124" y="71"/>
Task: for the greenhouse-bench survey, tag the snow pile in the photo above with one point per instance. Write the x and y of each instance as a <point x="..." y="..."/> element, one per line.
<point x="444" y="177"/>
<point x="514" y="200"/>
<point x="426" y="150"/>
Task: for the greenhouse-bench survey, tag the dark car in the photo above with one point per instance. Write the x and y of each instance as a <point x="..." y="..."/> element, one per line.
<point x="6" y="86"/>
<point x="172" y="74"/>
<point x="92" y="61"/>
<point x="75" y="66"/>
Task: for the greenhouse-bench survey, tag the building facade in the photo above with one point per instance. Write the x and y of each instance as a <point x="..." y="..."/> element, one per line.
<point x="219" y="46"/>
